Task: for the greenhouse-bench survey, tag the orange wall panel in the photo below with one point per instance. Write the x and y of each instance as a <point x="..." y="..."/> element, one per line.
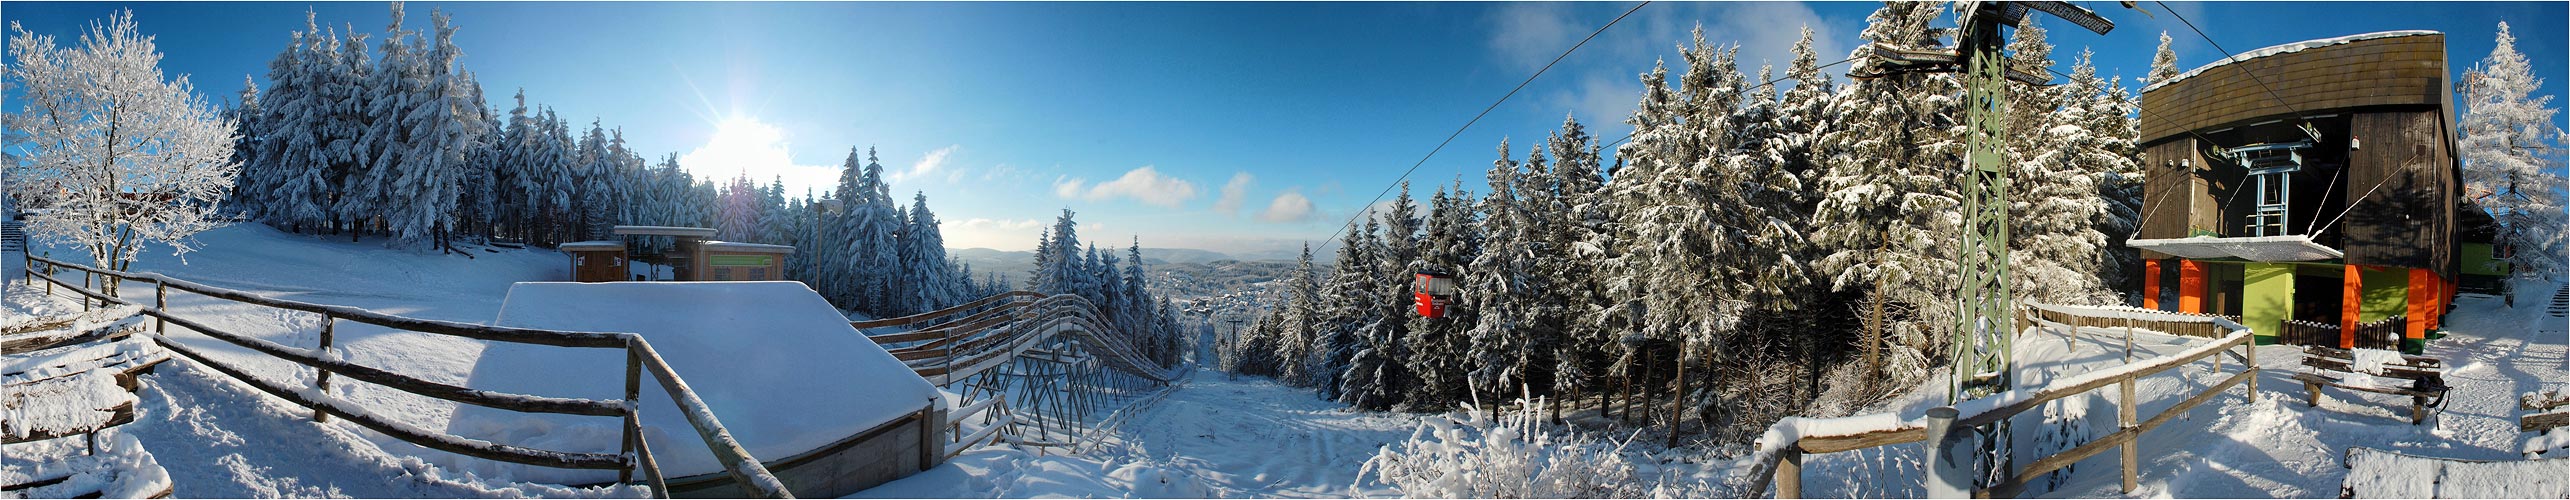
<point x="2190" y="286"/>
<point x="2150" y="284"/>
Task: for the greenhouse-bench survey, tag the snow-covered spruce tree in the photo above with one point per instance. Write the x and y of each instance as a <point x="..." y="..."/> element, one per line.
<point x="398" y="86"/>
<point x="1296" y="318"/>
<point x="246" y="119"/>
<point x="555" y="160"/>
<point x="1573" y="231"/>
<point x="2511" y="157"/>
<point x="868" y="229"/>
<point x="1888" y="212"/>
<point x="2119" y="183"/>
<point x="122" y="157"/>
<point x="1137" y="288"/>
<point x="2163" y="61"/>
<point x="1348" y="305"/>
<point x="1377" y="377"/>
<point x="925" y="274"/>
<point x="1442" y="347"/>
<point x="1803" y="118"/>
<point x="281" y="185"/>
<point x="2054" y="162"/>
<point x="1058" y="266"/>
<point x="438" y="133"/>
<point x="354" y="147"/>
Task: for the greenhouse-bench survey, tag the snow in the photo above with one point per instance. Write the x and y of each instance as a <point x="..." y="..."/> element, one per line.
<point x="2371" y="361"/>
<point x="2284" y="248"/>
<point x="814" y="380"/>
<point x="2379" y="474"/>
<point x="2284" y="49"/>
<point x="61" y="406"/>
<point x="119" y="468"/>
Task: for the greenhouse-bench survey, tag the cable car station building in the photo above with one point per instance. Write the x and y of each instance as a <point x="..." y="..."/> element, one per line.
<point x="2311" y="190"/>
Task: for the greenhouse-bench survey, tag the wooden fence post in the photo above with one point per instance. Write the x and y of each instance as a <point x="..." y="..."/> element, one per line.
<point x="633" y="412"/>
<point x="1789" y="473"/>
<point x="2252" y="366"/>
<point x="321" y="377"/>
<point x="160" y="301"/>
<point x="2131" y="448"/>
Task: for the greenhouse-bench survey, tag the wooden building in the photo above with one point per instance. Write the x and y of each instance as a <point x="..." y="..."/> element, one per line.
<point x="2307" y="185"/>
<point x="690" y="256"/>
<point x="596" y="261"/>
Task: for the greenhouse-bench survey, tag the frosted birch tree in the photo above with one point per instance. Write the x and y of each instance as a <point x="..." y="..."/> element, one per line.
<point x="121" y="157"/>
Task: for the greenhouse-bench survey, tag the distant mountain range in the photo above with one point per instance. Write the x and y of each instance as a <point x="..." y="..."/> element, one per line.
<point x="1014" y="264"/>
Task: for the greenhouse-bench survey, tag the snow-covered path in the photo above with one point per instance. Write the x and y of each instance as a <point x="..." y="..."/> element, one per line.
<point x="1213" y="436"/>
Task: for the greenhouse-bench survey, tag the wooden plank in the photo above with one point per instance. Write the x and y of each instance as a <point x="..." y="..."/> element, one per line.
<point x="915" y="318"/>
<point x="1835" y="444"/>
<point x="122" y="414"/>
<point x="2049" y="394"/>
<point x="745" y="469"/>
<point x="2333" y="382"/>
<point x="919" y="354"/>
<point x="2543" y="422"/>
<point x="467" y="330"/>
<point x="2056" y="461"/>
<point x="476" y="397"/>
<point x="461" y="446"/>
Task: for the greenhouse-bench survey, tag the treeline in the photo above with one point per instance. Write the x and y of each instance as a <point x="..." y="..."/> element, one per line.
<point x="1756" y="254"/>
<point x="402" y="144"/>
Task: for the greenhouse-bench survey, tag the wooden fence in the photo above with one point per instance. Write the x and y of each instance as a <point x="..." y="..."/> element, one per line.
<point x="635" y="453"/>
<point x="2378" y="334"/>
<point x="1781" y="462"/>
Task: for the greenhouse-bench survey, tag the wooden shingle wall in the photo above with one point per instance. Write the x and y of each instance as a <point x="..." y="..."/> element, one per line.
<point x="2403" y="70"/>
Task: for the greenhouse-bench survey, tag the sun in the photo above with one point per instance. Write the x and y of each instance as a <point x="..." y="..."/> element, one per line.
<point x="741" y="145"/>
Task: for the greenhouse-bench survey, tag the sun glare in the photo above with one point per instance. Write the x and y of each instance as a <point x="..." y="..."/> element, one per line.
<point x="744" y="145"/>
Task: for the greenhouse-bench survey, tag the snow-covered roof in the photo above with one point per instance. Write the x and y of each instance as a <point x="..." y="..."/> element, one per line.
<point x="700" y="232"/>
<point x="593" y="245"/>
<point x="734" y="246"/>
<point x="2287" y="248"/>
<point x="779" y="366"/>
<point x="2285" y="49"/>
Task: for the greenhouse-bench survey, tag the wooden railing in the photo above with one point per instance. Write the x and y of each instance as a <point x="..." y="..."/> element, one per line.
<point x="1057" y="332"/>
<point x="1779" y="459"/>
<point x="635" y="453"/>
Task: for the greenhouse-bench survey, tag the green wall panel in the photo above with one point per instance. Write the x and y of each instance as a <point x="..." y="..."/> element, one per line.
<point x="2386" y="293"/>
<point x="2477" y="260"/>
<point x="2266" y="297"/>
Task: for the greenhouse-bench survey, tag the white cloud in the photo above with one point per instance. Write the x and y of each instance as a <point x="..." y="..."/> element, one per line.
<point x="1233" y="193"/>
<point x="928" y="164"/>
<point x="1003" y="234"/>
<point x="746" y="146"/>
<point x="1288" y="207"/>
<point x="1142" y="184"/>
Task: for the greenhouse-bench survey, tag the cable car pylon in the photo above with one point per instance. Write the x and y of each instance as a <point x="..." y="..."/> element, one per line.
<point x="1983" y="363"/>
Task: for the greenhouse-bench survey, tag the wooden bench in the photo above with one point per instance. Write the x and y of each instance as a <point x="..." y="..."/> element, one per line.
<point x="2424" y="376"/>
<point x="45" y="374"/>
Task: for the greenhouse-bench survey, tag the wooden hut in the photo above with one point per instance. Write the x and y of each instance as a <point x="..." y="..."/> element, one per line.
<point x="2312" y="181"/>
<point x="596" y="261"/>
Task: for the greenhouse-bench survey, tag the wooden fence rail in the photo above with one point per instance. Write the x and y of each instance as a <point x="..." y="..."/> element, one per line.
<point x="1780" y="463"/>
<point x="635" y="455"/>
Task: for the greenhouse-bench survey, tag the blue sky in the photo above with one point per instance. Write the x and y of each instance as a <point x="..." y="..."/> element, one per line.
<point x="1241" y="127"/>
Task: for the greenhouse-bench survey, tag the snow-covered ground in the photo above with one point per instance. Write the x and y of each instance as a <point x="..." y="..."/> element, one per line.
<point x="1214" y="436"/>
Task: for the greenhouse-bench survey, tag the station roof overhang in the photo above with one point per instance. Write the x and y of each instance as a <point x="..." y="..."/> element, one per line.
<point x="2287" y="248"/>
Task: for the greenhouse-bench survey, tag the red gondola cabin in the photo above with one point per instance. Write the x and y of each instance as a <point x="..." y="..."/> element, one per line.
<point x="1434" y="291"/>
